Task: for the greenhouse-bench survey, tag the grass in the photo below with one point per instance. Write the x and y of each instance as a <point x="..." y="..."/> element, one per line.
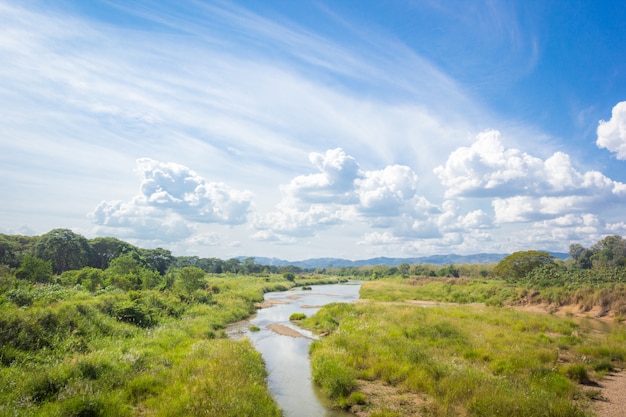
<point x="70" y="352"/>
<point x="472" y="360"/>
<point x="608" y="297"/>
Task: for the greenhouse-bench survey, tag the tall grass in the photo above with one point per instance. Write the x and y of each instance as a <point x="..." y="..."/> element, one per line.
<point x="471" y="360"/>
<point x="609" y="297"/>
<point x="71" y="352"/>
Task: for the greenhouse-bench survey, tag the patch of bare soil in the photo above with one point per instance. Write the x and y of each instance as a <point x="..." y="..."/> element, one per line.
<point x="284" y="330"/>
<point x="613" y="400"/>
<point x="381" y="396"/>
<point x="269" y="303"/>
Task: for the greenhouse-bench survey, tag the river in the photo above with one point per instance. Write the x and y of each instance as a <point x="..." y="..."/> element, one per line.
<point x="287" y="358"/>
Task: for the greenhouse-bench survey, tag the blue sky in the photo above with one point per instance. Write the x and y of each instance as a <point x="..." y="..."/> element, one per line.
<point x="305" y="129"/>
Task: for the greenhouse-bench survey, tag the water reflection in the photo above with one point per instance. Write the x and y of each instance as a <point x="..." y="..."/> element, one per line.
<point x="287" y="358"/>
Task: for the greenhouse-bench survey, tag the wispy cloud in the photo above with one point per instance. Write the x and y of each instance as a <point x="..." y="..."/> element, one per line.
<point x="246" y="130"/>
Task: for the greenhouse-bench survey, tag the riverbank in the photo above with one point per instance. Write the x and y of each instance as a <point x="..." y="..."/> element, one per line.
<point x="399" y="358"/>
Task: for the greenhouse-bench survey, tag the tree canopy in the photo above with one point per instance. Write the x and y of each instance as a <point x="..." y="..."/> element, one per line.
<point x="519" y="264"/>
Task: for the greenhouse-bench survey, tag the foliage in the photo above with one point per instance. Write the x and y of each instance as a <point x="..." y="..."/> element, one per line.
<point x="64" y="248"/>
<point x="190" y="279"/>
<point x="297" y="316"/>
<point x="68" y="351"/>
<point x="105" y="249"/>
<point x="517" y="265"/>
<point x="89" y="278"/>
<point x="34" y="269"/>
<point x="610" y="252"/>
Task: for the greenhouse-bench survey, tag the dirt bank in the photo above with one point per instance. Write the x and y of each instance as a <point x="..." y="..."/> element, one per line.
<point x="284" y="330"/>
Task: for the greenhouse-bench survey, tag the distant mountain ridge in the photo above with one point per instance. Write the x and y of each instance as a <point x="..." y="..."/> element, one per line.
<point x="479" y="258"/>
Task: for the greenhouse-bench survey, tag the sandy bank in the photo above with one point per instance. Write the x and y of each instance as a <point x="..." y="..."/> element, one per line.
<point x="284" y="330"/>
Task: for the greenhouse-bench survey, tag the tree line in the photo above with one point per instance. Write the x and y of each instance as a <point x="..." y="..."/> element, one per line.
<point x="602" y="263"/>
<point x="38" y="258"/>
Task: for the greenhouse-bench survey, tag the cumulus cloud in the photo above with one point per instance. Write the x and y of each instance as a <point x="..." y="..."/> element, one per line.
<point x="172" y="198"/>
<point x="176" y="187"/>
<point x="524" y="187"/>
<point x="342" y="193"/>
<point x="386" y="192"/>
<point x="334" y="183"/>
<point x="291" y="221"/>
<point x="486" y="169"/>
<point x="133" y="219"/>
<point x="612" y="134"/>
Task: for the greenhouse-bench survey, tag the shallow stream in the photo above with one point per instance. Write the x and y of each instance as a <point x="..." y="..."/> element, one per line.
<point x="287" y="357"/>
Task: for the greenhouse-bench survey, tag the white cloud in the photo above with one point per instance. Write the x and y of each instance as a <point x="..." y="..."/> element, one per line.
<point x="523" y="187"/>
<point x="486" y="169"/>
<point x="292" y="221"/>
<point x="342" y="193"/>
<point x="171" y="199"/>
<point x="133" y="219"/>
<point x="612" y="134"/>
<point x="388" y="192"/>
<point x="334" y="184"/>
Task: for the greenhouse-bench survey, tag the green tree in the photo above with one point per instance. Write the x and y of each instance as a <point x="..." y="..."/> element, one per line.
<point x="581" y="256"/>
<point x="250" y="267"/>
<point x="89" y="277"/>
<point x="517" y="265"/>
<point x="448" y="271"/>
<point x="404" y="269"/>
<point x="232" y="265"/>
<point x="66" y="249"/>
<point x="158" y="259"/>
<point x="190" y="279"/>
<point x="105" y="249"/>
<point x="129" y="273"/>
<point x="13" y="248"/>
<point x="610" y="251"/>
<point x="34" y="269"/>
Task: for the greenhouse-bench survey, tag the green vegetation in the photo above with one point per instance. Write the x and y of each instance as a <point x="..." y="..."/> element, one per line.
<point x="297" y="316"/>
<point x="471" y="355"/>
<point x="460" y="360"/>
<point x="102" y="328"/>
<point x="65" y="351"/>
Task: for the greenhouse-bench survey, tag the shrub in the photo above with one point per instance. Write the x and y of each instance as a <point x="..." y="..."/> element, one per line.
<point x="134" y="313"/>
<point x="297" y="316"/>
<point x="21" y="297"/>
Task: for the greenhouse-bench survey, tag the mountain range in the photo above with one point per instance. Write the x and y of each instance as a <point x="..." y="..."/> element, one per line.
<point x="479" y="258"/>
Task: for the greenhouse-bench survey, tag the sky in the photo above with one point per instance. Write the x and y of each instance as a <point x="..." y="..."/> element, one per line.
<point x="349" y="129"/>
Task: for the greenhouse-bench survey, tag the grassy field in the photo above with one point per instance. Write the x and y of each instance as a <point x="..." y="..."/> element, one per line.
<point x="65" y="351"/>
<point x="609" y="298"/>
<point x="458" y="360"/>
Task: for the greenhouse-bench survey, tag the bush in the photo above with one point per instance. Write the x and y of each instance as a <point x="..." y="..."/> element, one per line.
<point x="297" y="316"/>
<point x="134" y="313"/>
<point x="21" y="297"/>
<point x="34" y="269"/>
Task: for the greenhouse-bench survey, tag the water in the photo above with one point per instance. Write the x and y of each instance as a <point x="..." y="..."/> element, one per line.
<point x="287" y="358"/>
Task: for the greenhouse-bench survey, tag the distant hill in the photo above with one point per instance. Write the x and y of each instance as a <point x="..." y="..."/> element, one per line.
<point x="479" y="258"/>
